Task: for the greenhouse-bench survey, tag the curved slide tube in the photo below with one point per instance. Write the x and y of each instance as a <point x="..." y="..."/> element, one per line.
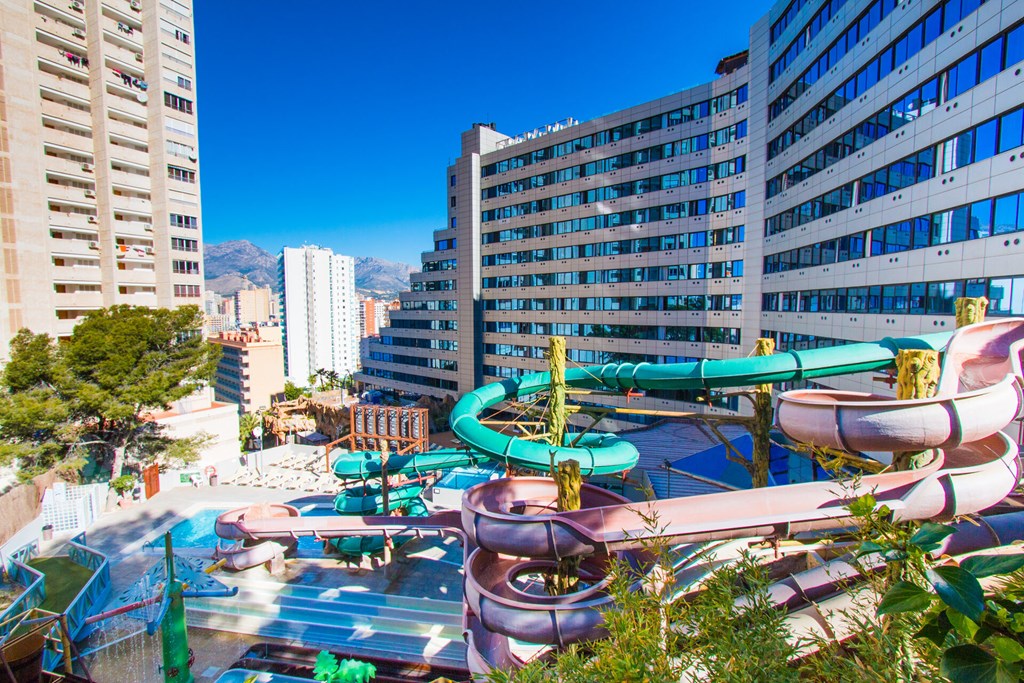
<point x="512" y="523"/>
<point x="979" y="393"/>
<point x="607" y="454"/>
<point x="366" y="464"/>
<point x="241" y="555"/>
<point x="369" y="500"/>
<point x="505" y="519"/>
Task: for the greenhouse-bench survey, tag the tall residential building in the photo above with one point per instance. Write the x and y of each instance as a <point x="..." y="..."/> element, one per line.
<point x="255" y="305"/>
<point x="250" y="371"/>
<point x="845" y="179"/>
<point x="99" y="174"/>
<point x="319" y="312"/>
<point x="374" y="314"/>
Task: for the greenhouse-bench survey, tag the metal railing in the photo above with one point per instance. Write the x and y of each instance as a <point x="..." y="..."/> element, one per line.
<point x="34" y="582"/>
<point x="95" y="592"/>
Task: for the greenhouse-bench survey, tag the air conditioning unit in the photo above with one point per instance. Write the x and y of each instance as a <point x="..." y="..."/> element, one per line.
<point x="93" y="219"/>
<point x="87" y="168"/>
<point x="90" y="194"/>
<point x="76" y="5"/>
<point x="149" y="250"/>
<point x="148" y="227"/>
<point x="94" y="245"/>
<point x="138" y="57"/>
<point x="136" y="5"/>
<point x="78" y="33"/>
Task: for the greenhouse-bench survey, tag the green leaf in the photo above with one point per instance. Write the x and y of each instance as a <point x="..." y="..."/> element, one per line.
<point x="931" y="534"/>
<point x="936" y="629"/>
<point x="868" y="547"/>
<point x="904" y="597"/>
<point x="990" y="565"/>
<point x="971" y="664"/>
<point x="958" y="589"/>
<point x="1007" y="649"/>
<point x="963" y="624"/>
<point x="863" y="506"/>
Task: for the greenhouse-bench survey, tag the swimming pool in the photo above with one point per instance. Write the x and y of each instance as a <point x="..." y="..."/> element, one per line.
<point x="197" y="530"/>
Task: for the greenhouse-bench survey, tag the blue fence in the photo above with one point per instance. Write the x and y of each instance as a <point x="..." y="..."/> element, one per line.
<point x="95" y="593"/>
<point x="33" y="582"/>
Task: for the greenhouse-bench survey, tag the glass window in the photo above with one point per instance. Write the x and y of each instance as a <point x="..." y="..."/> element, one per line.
<point x="985" y="140"/>
<point x="981" y="220"/>
<point x="1005" y="215"/>
<point x="1011" y="129"/>
<point x="991" y="59"/>
<point x="1015" y="46"/>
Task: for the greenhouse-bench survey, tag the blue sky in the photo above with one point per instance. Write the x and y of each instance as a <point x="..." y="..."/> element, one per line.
<point x="333" y="122"/>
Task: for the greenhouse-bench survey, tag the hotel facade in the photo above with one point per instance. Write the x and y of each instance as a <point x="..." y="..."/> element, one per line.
<point x="99" y="173"/>
<point x="845" y="179"/>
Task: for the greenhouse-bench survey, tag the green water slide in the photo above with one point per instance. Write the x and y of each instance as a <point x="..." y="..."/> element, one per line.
<point x="353" y="546"/>
<point x="368" y="499"/>
<point x="605" y="453"/>
<point x="366" y="464"/>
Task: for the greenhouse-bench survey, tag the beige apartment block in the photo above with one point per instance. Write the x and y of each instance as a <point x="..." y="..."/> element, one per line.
<point x="99" y="173"/>
<point x="251" y="368"/>
<point x="255" y="306"/>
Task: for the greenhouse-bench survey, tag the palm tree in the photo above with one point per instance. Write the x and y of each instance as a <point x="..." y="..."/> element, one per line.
<point x="333" y="379"/>
<point x="246" y="423"/>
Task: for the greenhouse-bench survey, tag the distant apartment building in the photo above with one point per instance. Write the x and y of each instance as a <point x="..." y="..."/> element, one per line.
<point x="319" y="312"/>
<point x="846" y="179"/>
<point x="251" y="369"/>
<point x="99" y="172"/>
<point x="255" y="306"/>
<point x="374" y="314"/>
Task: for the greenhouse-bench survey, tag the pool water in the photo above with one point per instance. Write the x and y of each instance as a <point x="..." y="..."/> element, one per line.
<point x="197" y="531"/>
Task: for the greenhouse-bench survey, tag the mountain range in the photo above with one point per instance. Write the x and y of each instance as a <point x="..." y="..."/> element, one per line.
<point x="231" y="266"/>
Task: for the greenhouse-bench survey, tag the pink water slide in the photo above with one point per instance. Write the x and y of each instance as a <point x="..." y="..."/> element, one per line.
<point x="511" y="528"/>
<point x="243" y="554"/>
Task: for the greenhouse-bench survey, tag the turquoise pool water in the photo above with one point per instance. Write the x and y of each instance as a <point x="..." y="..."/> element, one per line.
<point x="197" y="531"/>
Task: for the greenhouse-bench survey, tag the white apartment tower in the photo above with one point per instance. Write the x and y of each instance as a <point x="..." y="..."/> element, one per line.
<point x="319" y="312"/>
<point x="99" y="173"/>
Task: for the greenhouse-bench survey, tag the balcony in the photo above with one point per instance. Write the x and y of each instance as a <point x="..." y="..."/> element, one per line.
<point x="125" y="99"/>
<point x="127" y="30"/>
<point x="78" y="300"/>
<point x="136" y="276"/>
<point x="74" y="247"/>
<point x="137" y="134"/>
<point x="134" y="229"/>
<point x="119" y="45"/>
<point x="76" y="221"/>
<point x="133" y="204"/>
<point x="132" y="180"/>
<point x="71" y="194"/>
<point x="69" y="167"/>
<point x="78" y="274"/>
<point x="63" y="138"/>
<point x="67" y="113"/>
<point x="71" y="30"/>
<point x="132" y="156"/>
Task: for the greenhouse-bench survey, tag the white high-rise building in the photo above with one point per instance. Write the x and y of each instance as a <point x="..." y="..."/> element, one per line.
<point x="319" y="312"/>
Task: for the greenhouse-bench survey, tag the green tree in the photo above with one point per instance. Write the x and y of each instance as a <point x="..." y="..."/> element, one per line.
<point x="125" y="361"/>
<point x="34" y="419"/>
<point x="246" y="423"/>
<point x="292" y="391"/>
